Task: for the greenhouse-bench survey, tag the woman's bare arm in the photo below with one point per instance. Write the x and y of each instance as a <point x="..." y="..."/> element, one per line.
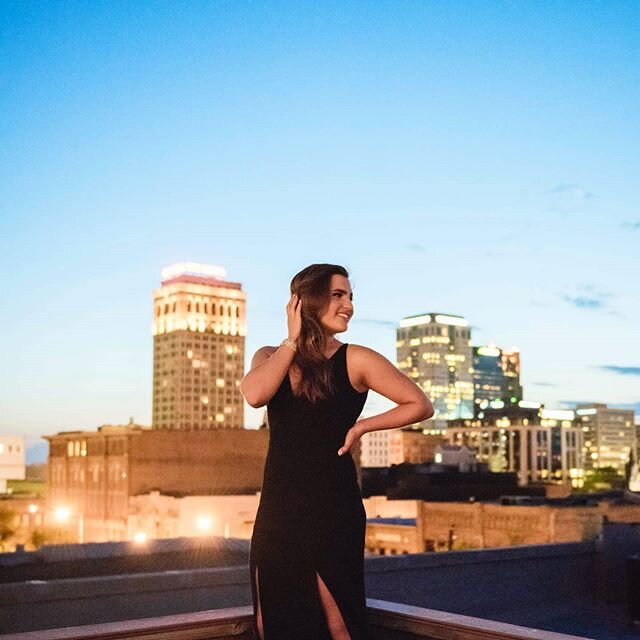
<point x="373" y="371"/>
<point x="270" y="365"/>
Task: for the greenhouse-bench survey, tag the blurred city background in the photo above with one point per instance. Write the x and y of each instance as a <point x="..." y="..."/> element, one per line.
<point x="166" y="168"/>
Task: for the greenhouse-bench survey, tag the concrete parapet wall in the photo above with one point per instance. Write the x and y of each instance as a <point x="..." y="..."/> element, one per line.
<point x="522" y="585"/>
<point x="52" y="604"/>
<point x="499" y="584"/>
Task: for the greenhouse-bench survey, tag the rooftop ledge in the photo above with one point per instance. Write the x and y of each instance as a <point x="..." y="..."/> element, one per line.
<point x="387" y="621"/>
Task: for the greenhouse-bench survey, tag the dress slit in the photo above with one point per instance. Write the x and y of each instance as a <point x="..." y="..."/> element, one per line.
<point x="333" y="606"/>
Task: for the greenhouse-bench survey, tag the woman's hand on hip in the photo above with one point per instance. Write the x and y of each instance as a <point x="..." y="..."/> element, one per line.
<point x="351" y="439"/>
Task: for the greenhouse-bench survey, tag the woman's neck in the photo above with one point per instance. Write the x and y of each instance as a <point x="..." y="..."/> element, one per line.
<point x="330" y="343"/>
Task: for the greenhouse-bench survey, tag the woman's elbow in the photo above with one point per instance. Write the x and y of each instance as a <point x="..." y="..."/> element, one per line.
<point x="427" y="409"/>
<point x="254" y="402"/>
<point x="250" y="396"/>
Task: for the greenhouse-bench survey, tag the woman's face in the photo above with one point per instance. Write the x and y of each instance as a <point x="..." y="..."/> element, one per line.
<point x="336" y="315"/>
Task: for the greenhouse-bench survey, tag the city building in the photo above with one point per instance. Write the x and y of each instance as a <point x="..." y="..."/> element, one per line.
<point x="434" y="482"/>
<point x="458" y="457"/>
<point x="496" y="376"/>
<point x="395" y="446"/>
<point x="609" y="436"/>
<point x="447" y="526"/>
<point x="434" y="350"/>
<point x="12" y="460"/>
<point x="199" y="328"/>
<point x="540" y="445"/>
<point x="94" y="474"/>
<point x="155" y="516"/>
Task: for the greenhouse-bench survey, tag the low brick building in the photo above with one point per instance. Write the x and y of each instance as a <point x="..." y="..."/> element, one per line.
<point x="93" y="474"/>
<point x="442" y="526"/>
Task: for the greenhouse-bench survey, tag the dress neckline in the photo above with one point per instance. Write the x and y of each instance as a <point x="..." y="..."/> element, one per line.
<point x="330" y="358"/>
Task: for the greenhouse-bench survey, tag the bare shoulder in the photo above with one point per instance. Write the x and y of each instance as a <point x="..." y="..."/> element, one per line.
<point x="362" y="363"/>
<point x="365" y="365"/>
<point x="364" y="355"/>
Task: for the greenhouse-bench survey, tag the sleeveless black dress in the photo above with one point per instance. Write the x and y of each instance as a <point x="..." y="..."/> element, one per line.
<point x="311" y="518"/>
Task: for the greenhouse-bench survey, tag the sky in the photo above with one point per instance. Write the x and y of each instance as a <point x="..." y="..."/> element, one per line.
<point x="472" y="158"/>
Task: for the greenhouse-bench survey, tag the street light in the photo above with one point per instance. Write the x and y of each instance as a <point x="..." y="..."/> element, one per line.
<point x="62" y="515"/>
<point x="140" y="537"/>
<point x="204" y="523"/>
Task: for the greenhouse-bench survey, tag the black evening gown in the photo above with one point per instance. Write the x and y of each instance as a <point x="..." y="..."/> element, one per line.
<point x="311" y="518"/>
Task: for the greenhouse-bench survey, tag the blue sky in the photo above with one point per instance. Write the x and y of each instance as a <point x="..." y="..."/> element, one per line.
<point x="474" y="158"/>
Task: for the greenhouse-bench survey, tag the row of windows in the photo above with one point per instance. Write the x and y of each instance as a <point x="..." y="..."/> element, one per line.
<point x="204" y="307"/>
<point x="186" y="392"/>
<point x="9" y="448"/>
<point x="193" y="426"/>
<point x="196" y="382"/>
<point x="435" y="331"/>
<point x="84" y="447"/>
<point x="190" y="340"/>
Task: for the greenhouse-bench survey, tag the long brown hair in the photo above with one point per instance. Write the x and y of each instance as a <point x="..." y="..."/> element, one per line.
<point x="313" y="286"/>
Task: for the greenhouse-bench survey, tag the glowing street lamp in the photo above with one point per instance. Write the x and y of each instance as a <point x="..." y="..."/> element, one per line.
<point x="140" y="537"/>
<point x="204" y="523"/>
<point x="62" y="514"/>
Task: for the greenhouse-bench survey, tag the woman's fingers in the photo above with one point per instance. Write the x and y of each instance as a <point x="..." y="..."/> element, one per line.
<point x="294" y="316"/>
<point x="348" y="442"/>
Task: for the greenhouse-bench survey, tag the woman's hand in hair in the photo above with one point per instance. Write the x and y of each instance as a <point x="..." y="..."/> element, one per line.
<point x="294" y="317"/>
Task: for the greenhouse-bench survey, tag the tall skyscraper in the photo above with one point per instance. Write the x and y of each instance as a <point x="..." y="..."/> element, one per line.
<point x="496" y="376"/>
<point x="434" y="350"/>
<point x="609" y="436"/>
<point x="199" y="329"/>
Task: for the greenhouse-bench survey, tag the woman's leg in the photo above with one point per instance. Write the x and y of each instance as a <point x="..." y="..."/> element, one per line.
<point x="259" y="610"/>
<point x="335" y="622"/>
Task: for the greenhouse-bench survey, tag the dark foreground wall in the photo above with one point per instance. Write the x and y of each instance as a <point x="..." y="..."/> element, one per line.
<point x="493" y="583"/>
<point x="98" y="559"/>
<point x="541" y="586"/>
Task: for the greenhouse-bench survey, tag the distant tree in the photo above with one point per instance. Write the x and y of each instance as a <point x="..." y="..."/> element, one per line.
<point x="39" y="537"/>
<point x="8" y="526"/>
<point x="37" y="472"/>
<point x="604" y="478"/>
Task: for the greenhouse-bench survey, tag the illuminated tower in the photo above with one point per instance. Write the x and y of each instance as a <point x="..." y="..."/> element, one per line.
<point x="510" y="362"/>
<point x="609" y="436"/>
<point x="198" y="349"/>
<point x="496" y="377"/>
<point x="435" y="351"/>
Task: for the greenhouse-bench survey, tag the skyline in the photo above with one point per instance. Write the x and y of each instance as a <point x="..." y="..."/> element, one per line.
<point x="474" y="160"/>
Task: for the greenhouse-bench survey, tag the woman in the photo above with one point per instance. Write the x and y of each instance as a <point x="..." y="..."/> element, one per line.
<point x="307" y="549"/>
